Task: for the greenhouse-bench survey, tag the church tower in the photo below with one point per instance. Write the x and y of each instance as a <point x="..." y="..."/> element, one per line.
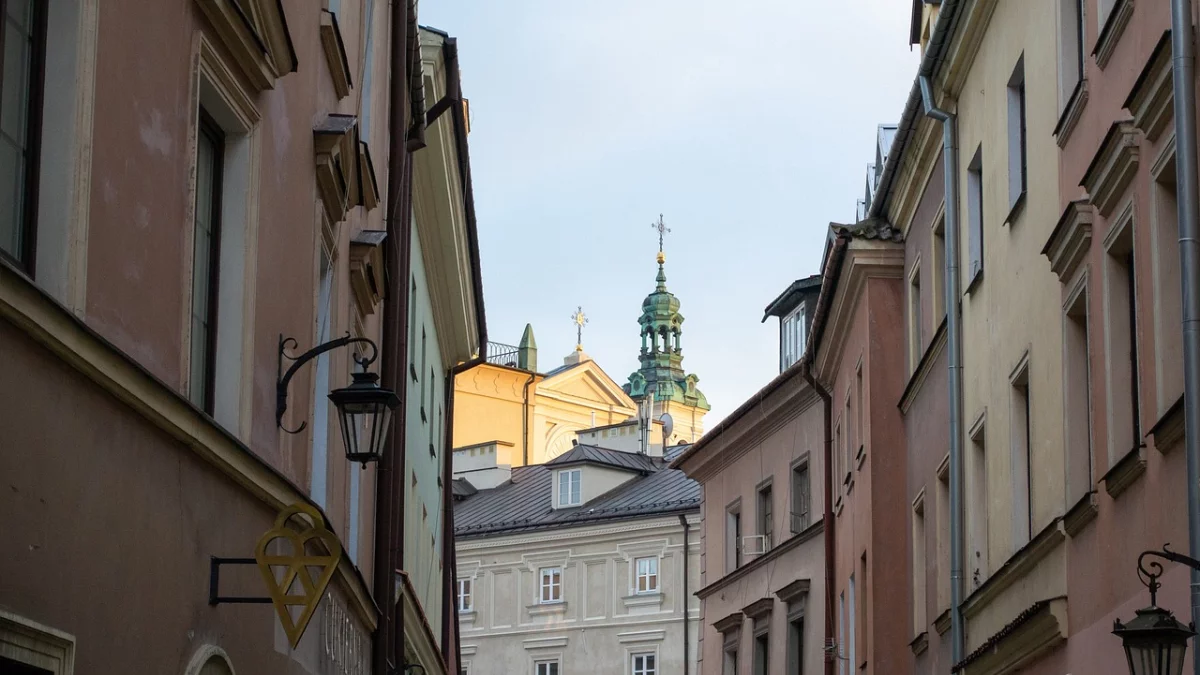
<point x="660" y="375"/>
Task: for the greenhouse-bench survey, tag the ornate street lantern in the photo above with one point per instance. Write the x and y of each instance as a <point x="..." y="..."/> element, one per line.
<point x="1154" y="641"/>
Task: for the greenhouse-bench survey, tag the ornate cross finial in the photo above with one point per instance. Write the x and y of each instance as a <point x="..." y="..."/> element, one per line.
<point x="662" y="230"/>
<point x="580" y="321"/>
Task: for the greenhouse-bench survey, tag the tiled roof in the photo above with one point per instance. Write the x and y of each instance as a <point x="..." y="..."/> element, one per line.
<point x="871" y="228"/>
<point x="581" y="454"/>
<point x="523" y="503"/>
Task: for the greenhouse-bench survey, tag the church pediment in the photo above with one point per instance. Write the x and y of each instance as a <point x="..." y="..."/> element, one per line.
<point x="586" y="382"/>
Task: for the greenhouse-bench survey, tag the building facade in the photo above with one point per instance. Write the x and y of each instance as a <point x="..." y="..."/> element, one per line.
<point x="586" y="564"/>
<point x="762" y="556"/>
<point x="157" y="277"/>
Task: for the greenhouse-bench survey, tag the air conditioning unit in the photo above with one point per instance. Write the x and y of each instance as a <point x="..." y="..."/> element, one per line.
<point x="755" y="544"/>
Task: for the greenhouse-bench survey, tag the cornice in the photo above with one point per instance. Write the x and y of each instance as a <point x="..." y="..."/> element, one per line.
<point x="1016" y="568"/>
<point x="1113" y="167"/>
<point x="1127" y="470"/>
<point x="864" y="261"/>
<point x="1152" y="97"/>
<point x="1169" y="430"/>
<point x="1030" y="634"/>
<point x="917" y="382"/>
<point x="1111" y="32"/>
<point x="563" y="535"/>
<point x="965" y="44"/>
<point x="729" y="623"/>
<point x="1071" y="240"/>
<point x="789" y="544"/>
<point x="913" y="181"/>
<point x="1072" y="113"/>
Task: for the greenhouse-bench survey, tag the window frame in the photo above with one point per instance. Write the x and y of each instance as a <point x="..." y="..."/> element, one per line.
<point x="574" y="485"/>
<point x="1018" y="139"/>
<point x="26" y="258"/>
<point x="975" y="220"/>
<point x="801" y="520"/>
<point x="550" y="590"/>
<point x="547" y="667"/>
<point x="209" y="129"/>
<point x="765" y="504"/>
<point x="651" y="575"/>
<point x="465" y="588"/>
<point x="644" y="668"/>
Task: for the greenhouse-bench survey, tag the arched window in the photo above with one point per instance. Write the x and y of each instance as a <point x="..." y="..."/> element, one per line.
<point x="209" y="660"/>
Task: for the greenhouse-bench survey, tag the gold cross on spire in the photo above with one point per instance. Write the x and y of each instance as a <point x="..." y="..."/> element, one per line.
<point x="662" y="230"/>
<point x="580" y="321"/>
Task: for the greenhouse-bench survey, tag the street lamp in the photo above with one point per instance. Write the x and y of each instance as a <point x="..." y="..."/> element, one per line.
<point x="1154" y="641"/>
<point x="364" y="408"/>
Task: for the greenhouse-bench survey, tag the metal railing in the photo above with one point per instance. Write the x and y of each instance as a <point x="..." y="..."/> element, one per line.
<point x="502" y="354"/>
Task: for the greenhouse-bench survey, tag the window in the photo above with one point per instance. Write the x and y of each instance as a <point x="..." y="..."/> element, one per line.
<point x="1017" y="152"/>
<point x="975" y="217"/>
<point x="364" y="117"/>
<point x="729" y="665"/>
<point x="22" y="66"/>
<point x="733" y="538"/>
<point x="320" y="429"/>
<point x="569" y="487"/>
<point x="546" y="668"/>
<point x="644" y="664"/>
<point x="1022" y="516"/>
<point x="762" y="649"/>
<point x="914" y="316"/>
<point x="801" y="499"/>
<point x="937" y="270"/>
<point x="1167" y="306"/>
<point x="853" y="624"/>
<point x="859" y="409"/>
<point x="210" y="151"/>
<point x="862" y="608"/>
<point x="424" y="364"/>
<point x="647" y="575"/>
<point x="792" y="336"/>
<point x="765" y="524"/>
<point x="1071" y="49"/>
<point x="412" y="333"/>
<point x="841" y="643"/>
<point x="465" y="600"/>
<point x="918" y="565"/>
<point x="977" y="505"/>
<point x="1122" y="349"/>
<point x="1078" y="398"/>
<point x="551" y="590"/>
<point x="943" y="535"/>
<point x="1106" y="7"/>
<point x="795" y="646"/>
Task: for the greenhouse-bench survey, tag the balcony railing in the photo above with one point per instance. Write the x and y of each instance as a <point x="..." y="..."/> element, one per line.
<point x="502" y="354"/>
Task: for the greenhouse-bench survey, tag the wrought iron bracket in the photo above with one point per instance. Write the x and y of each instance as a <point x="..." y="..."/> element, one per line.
<point x="284" y="377"/>
<point x="1149" y="572"/>
<point x="214" y="583"/>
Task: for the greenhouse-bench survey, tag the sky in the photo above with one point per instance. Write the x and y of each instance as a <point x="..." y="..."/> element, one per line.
<point x="749" y="126"/>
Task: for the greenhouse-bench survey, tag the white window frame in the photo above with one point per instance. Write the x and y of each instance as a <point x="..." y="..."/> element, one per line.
<point x="573" y="494"/>
<point x="793" y="336"/>
<point x="543" y="667"/>
<point x="550" y="590"/>
<point x="638" y="665"/>
<point x="465" y="589"/>
<point x="650" y="575"/>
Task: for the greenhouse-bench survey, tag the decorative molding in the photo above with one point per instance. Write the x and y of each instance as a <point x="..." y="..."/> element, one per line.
<point x="1030" y="634"/>
<point x="1114" y="28"/>
<point x="1169" y="430"/>
<point x="335" y="54"/>
<point x="1071" y="240"/>
<point x="942" y="623"/>
<point x="920" y="643"/>
<point x="1113" y="167"/>
<point x="583" y="530"/>
<point x="52" y="650"/>
<point x="644" y="600"/>
<point x="1016" y="567"/>
<point x="256" y="35"/>
<point x="367" y="275"/>
<point x="730" y="623"/>
<point x="924" y="367"/>
<point x="335" y="141"/>
<point x="797" y="590"/>
<point x="1125" y="471"/>
<point x="864" y="260"/>
<point x="787" y="545"/>
<point x="545" y="642"/>
<point x="547" y="608"/>
<point x="1083" y="512"/>
<point x="51" y="325"/>
<point x="1071" y="114"/>
<point x="759" y="608"/>
<point x="1152" y="98"/>
<point x="633" y="637"/>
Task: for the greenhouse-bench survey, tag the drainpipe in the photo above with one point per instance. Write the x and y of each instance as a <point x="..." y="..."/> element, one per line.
<point x="1184" y="73"/>
<point x="954" y="343"/>
<point x="525" y="421"/>
<point x="687" y="667"/>
<point x="830" y="535"/>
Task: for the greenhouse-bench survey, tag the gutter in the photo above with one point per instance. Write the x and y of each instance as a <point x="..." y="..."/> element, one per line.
<point x="687" y="666"/>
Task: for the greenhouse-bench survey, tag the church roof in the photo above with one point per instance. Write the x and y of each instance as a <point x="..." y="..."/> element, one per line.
<point x="591" y="454"/>
<point x="523" y="503"/>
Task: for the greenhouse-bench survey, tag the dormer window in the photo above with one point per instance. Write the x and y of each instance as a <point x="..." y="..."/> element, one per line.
<point x="569" y="493"/>
<point x="793" y="337"/>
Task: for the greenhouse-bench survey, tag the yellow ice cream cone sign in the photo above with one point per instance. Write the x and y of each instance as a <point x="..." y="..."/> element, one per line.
<point x="296" y="576"/>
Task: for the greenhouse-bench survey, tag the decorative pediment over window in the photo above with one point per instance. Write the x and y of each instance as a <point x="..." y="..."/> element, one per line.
<point x="366" y="269"/>
<point x="256" y="33"/>
<point x="1113" y="168"/>
<point x="335" y="142"/>
<point x="1069" y="243"/>
<point x="1152" y="100"/>
<point x="335" y="54"/>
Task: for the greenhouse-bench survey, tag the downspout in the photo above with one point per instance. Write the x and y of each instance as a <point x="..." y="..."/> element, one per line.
<point x="525" y="420"/>
<point x="1184" y="73"/>
<point x="829" y="529"/>
<point x="394" y="345"/>
<point x="687" y="667"/>
<point x="954" y="344"/>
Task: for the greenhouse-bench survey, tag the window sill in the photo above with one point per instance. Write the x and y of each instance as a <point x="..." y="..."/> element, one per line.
<point x="547" y="608"/>
<point x="654" y="599"/>
<point x="423" y="417"/>
<point x="412" y="370"/>
<point x="860" y="457"/>
<point x="1083" y="512"/>
<point x="973" y="284"/>
<point x="1071" y="113"/>
<point x="837" y="506"/>
<point x="467" y="616"/>
<point x="1114" y="28"/>
<point x="942" y="623"/>
<point x="1125" y="471"/>
<point x="920" y="643"/>
<point x="1017" y="209"/>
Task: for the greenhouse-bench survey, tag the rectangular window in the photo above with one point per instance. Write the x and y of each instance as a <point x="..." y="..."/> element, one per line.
<point x="465" y="599"/>
<point x="915" y="320"/>
<point x="210" y="152"/>
<point x="1122" y="350"/>
<point x="22" y="70"/>
<point x="412" y="333"/>
<point x="733" y="538"/>
<point x="943" y="536"/>
<point x="791" y="337"/>
<point x="977" y="506"/>
<point x="860" y="410"/>
<point x="937" y="271"/>
<point x="1022" y="514"/>
<point x="546" y="668"/>
<point x="852" y="626"/>
<point x="551" y="585"/>
<point x="839" y="456"/>
<point x="841" y="643"/>
<point x="975" y="217"/>
<point x="1168" y="305"/>
<point x="765" y="517"/>
<point x="1017" y="151"/>
<point x="1078" y="395"/>
<point x="862" y="609"/>
<point x="368" y="74"/>
<point x="801" y="499"/>
<point x="647" y="575"/>
<point x="918" y="566"/>
<point x="1071" y="52"/>
<point x="729" y="665"/>
<point x="762" y="649"/>
<point x="569" y="487"/>
<point x="424" y="367"/>
<point x="645" y="664"/>
<point x="320" y="428"/>
<point x="795" y="647"/>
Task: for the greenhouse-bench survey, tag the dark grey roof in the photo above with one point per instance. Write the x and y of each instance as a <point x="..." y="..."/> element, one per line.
<point x="673" y="451"/>
<point x="523" y="503"/>
<point x="461" y="488"/>
<point x="591" y="454"/>
<point x="790" y="297"/>
<point x="564" y="368"/>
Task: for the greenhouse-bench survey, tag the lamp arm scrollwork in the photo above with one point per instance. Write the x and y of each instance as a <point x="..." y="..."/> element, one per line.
<point x="1150" y="571"/>
<point x="281" y="385"/>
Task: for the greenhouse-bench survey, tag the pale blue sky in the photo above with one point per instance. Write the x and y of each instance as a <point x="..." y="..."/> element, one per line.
<point x="749" y="125"/>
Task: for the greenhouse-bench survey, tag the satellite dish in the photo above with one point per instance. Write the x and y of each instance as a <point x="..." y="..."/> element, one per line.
<point x="668" y="426"/>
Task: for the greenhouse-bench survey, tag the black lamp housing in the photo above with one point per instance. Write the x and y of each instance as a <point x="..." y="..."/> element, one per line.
<point x="1155" y="642"/>
<point x="365" y="413"/>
